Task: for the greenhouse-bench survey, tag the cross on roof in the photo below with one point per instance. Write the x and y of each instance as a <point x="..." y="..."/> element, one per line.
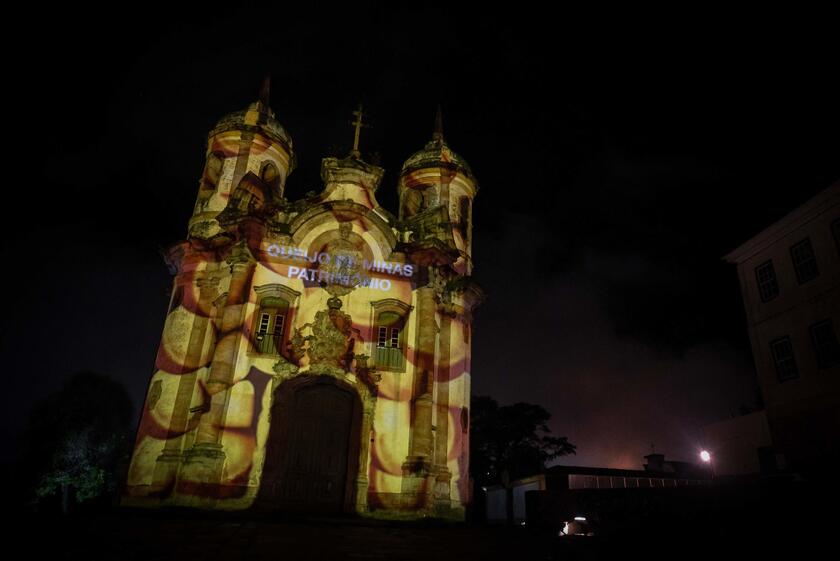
<point x="358" y="125"/>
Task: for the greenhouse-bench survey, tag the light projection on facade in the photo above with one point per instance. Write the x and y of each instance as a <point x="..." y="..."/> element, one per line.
<point x="316" y="353"/>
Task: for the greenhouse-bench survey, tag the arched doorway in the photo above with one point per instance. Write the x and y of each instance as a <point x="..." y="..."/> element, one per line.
<point x="312" y="453"/>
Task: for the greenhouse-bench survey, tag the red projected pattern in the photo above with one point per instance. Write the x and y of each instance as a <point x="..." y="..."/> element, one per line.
<point x="244" y="429"/>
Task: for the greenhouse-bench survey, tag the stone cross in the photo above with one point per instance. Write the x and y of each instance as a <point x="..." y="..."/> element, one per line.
<point x="358" y="125"/>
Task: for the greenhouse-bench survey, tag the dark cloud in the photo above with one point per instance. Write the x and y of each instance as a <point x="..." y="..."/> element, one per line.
<point x="555" y="340"/>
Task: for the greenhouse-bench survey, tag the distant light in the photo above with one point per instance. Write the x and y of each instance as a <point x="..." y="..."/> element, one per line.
<point x="522" y="524"/>
<point x="580" y="518"/>
<point x="705" y="456"/>
<point x="484" y="488"/>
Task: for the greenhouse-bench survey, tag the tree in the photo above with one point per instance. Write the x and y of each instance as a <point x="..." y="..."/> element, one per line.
<point x="78" y="438"/>
<point x="511" y="441"/>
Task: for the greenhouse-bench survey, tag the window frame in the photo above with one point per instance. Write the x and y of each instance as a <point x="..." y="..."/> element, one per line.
<point x="270" y="341"/>
<point x="267" y="323"/>
<point x="798" y="265"/>
<point x="825" y="360"/>
<point x="277" y="302"/>
<point x="386" y="355"/>
<point x="777" y="361"/>
<point x="773" y="281"/>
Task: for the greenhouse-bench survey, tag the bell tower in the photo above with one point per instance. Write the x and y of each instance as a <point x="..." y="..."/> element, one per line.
<point x="436" y="190"/>
<point x="243" y="142"/>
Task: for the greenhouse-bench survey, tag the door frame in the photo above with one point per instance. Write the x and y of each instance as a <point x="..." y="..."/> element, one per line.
<point x="278" y="435"/>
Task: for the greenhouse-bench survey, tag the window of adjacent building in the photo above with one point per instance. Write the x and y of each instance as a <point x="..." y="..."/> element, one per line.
<point x="270" y="325"/>
<point x="835" y="231"/>
<point x="804" y="261"/>
<point x="765" y="275"/>
<point x="389" y="353"/>
<point x="782" y="350"/>
<point x="825" y="344"/>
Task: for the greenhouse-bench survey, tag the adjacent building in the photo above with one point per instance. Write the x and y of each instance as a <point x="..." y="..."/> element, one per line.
<point x="560" y="491"/>
<point x="790" y="282"/>
<point x="742" y="446"/>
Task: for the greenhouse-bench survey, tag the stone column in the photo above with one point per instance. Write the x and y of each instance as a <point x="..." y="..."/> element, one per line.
<point x="204" y="461"/>
<point x="167" y="463"/>
<point x="417" y="469"/>
<point x="362" y="482"/>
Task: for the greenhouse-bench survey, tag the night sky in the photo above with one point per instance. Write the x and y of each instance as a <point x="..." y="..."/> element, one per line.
<point x="617" y="163"/>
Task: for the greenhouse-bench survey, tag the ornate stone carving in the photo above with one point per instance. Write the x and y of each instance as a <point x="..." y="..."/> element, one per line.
<point x="330" y="350"/>
<point x="438" y="280"/>
<point x="284" y="369"/>
<point x="208" y="282"/>
<point x="239" y="253"/>
<point x="204" y="229"/>
<point x="297" y="346"/>
<point x="230" y="216"/>
<point x="208" y="286"/>
<point x="345" y="265"/>
<point x="367" y="375"/>
<point x="331" y="333"/>
<point x="279" y="290"/>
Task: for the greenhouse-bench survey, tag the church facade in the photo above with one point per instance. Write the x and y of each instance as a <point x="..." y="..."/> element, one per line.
<point x="316" y="353"/>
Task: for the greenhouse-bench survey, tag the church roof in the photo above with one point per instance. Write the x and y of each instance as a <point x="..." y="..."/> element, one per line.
<point x="265" y="121"/>
<point x="437" y="152"/>
<point x="351" y="169"/>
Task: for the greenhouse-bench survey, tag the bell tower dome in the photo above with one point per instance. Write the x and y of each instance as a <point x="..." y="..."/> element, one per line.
<point x="251" y="140"/>
<point x="437" y="179"/>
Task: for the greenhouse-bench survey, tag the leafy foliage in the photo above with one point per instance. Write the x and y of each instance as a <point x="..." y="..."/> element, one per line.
<point x="511" y="441"/>
<point x="81" y="462"/>
<point x="79" y="437"/>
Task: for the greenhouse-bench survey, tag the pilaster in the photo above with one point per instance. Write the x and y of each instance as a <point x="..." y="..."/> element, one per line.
<point x="204" y="462"/>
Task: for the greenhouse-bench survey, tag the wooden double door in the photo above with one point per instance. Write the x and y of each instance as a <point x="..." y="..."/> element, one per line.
<point x="312" y="453"/>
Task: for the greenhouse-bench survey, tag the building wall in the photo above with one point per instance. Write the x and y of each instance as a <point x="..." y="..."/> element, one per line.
<point x="207" y="421"/>
<point x="735" y="443"/>
<point x="556" y="491"/>
<point x="803" y="411"/>
<point x="246" y="423"/>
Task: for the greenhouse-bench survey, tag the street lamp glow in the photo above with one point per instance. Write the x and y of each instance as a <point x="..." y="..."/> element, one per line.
<point x="705" y="456"/>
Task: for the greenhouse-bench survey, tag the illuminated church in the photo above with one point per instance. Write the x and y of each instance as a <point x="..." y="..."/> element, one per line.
<point x="316" y="353"/>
